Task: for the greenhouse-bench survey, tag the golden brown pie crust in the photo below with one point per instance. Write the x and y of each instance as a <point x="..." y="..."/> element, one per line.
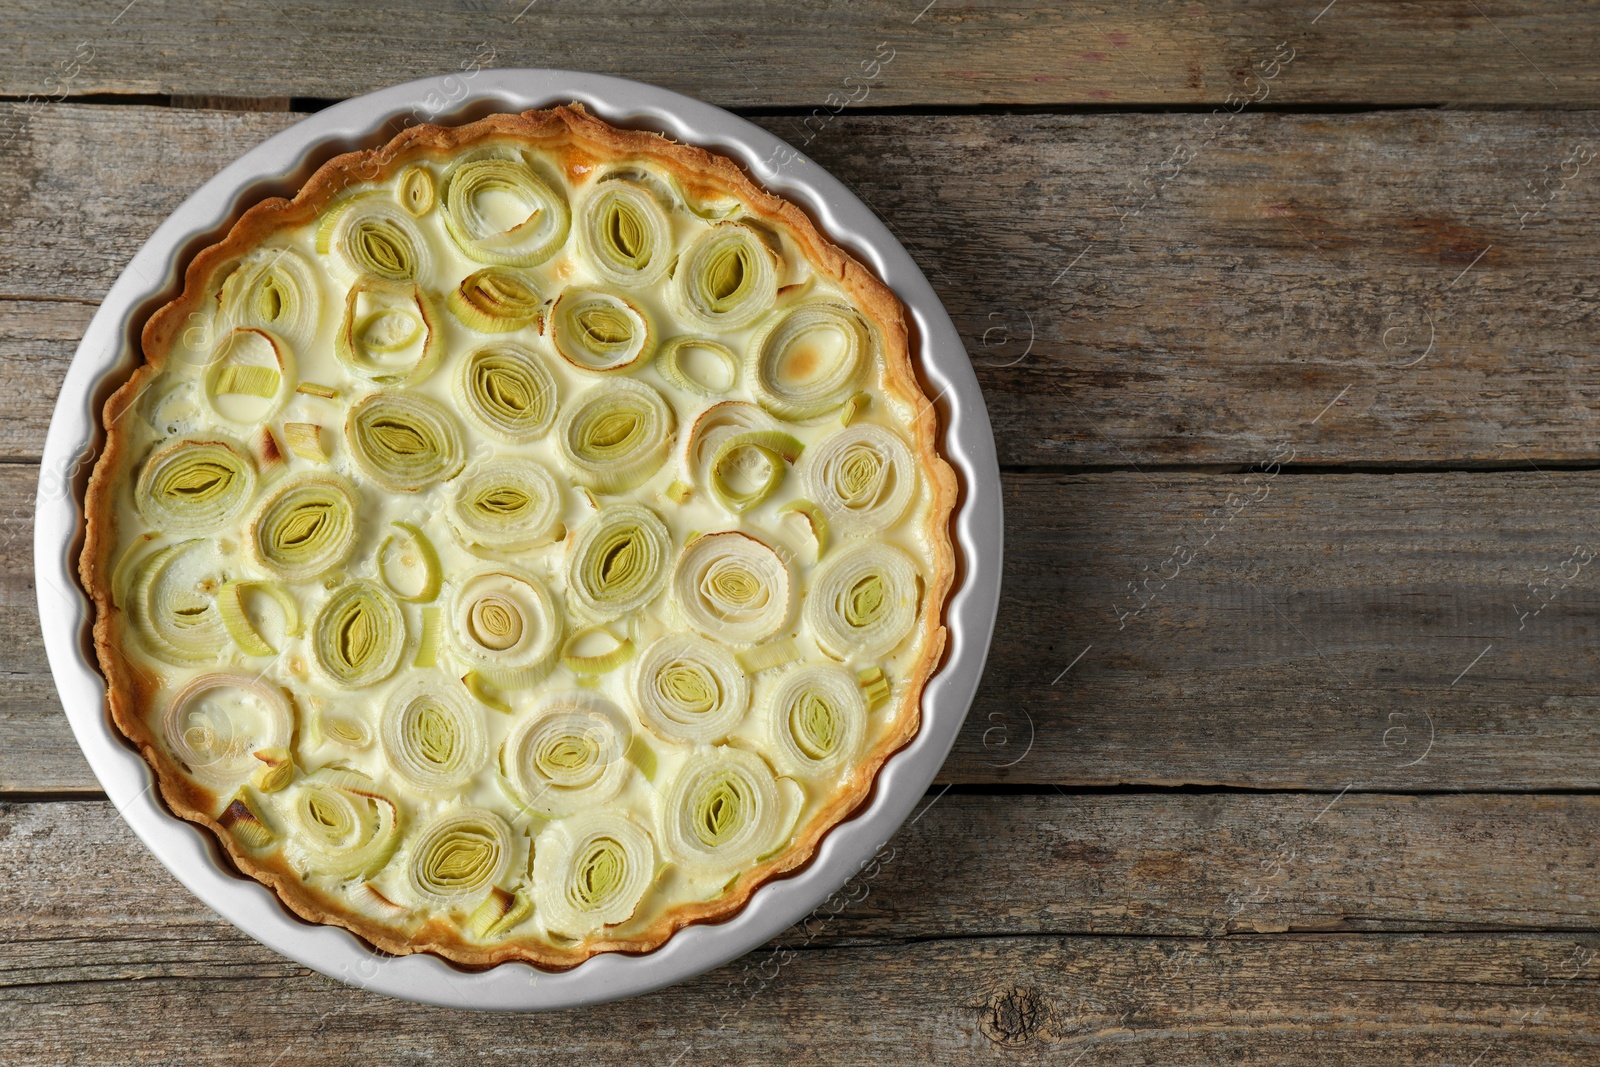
<point x="575" y="140"/>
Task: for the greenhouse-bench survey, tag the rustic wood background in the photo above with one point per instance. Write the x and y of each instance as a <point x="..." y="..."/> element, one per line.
<point x="1286" y="319"/>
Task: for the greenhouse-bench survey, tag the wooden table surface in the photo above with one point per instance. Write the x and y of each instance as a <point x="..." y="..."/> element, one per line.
<point x="1286" y="316"/>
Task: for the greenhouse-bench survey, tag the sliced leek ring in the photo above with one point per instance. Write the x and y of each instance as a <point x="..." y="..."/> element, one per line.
<point x="816" y="720"/>
<point x="404" y="441"/>
<point x="617" y="563"/>
<point x="250" y="376"/>
<point x="504" y="626"/>
<point x="358" y="636"/>
<point x="341" y="824"/>
<point x="712" y="428"/>
<point x="305" y="528"/>
<point x="591" y="871"/>
<point x="416" y="191"/>
<point x="274" y="289"/>
<point x="808" y="359"/>
<point x="615" y="436"/>
<point x="216" y="723"/>
<point x="172" y="603"/>
<point x="507" y="392"/>
<point x="863" y="477"/>
<point x="569" y="754"/>
<point x="453" y="861"/>
<point x="733" y="587"/>
<point x="690" y="690"/>
<point x="390" y="333"/>
<point x="624" y="236"/>
<point x="749" y="467"/>
<point x="373" y="235"/>
<point x="601" y="332"/>
<point x="531" y="225"/>
<point x="722" y="811"/>
<point x="507" y="504"/>
<point x="726" y="279"/>
<point x="433" y="738"/>
<point x="698" y="365"/>
<point x="496" y="300"/>
<point x="863" y="600"/>
<point x="195" y="485"/>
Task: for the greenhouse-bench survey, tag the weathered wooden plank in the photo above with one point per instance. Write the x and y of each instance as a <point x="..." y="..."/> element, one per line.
<point x="1326" y="631"/>
<point x="1409" y="266"/>
<point x="1152" y="51"/>
<point x="997" y="866"/>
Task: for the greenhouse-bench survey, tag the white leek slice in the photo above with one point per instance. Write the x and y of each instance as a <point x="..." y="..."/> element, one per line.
<point x="173" y="605"/>
<point x="807" y="360"/>
<point x="863" y="600"/>
<point x="374" y="235"/>
<point x="617" y="562"/>
<point x="816" y="719"/>
<point x="496" y="300"/>
<point x="404" y="441"/>
<point x="509" y="504"/>
<point x="433" y="737"/>
<point x="274" y="289"/>
<point x="733" y="587"/>
<point x="305" y="528"/>
<point x="569" y="754"/>
<point x="505" y="389"/>
<point x="195" y="485"/>
<point x="863" y="478"/>
<point x="689" y="689"/>
<point x="251" y="374"/>
<point x="358" y="636"/>
<point x="698" y="365"/>
<point x="390" y="333"/>
<point x="726" y="278"/>
<point x="499" y="211"/>
<point x="341" y="824"/>
<point x="215" y="724"/>
<point x="624" y="236"/>
<point x="601" y="332"/>
<point x="503" y="625"/>
<point x="591" y="871"/>
<point x="616" y="435"/>
<point x="721" y="812"/>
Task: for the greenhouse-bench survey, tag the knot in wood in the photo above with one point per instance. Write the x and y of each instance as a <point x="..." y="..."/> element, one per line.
<point x="1013" y="1016"/>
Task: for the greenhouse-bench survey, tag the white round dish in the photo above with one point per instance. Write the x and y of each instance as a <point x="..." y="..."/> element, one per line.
<point x="109" y="351"/>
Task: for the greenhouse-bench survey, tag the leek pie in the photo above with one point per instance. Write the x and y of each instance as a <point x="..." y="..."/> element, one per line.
<point x="524" y="542"/>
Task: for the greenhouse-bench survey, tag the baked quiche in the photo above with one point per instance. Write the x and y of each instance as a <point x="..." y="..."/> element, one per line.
<point x="524" y="542"/>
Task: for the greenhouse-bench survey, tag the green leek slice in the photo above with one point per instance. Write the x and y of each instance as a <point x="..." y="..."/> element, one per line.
<point x="807" y="360"/>
<point x="748" y="468"/>
<point x="216" y="722"/>
<point x="726" y="278"/>
<point x="569" y="754"/>
<point x="390" y="333"/>
<point x="601" y="332"/>
<point x="507" y="392"/>
<point x="433" y="738"/>
<point x="422" y="557"/>
<point x="593" y="664"/>
<point x="305" y="440"/>
<point x="496" y="300"/>
<point x="504" y="625"/>
<point x="508" y="504"/>
<point x="875" y="686"/>
<point x="195" y="485"/>
<point x="535" y="227"/>
<point x="733" y="587"/>
<point x="863" y="600"/>
<point x="499" y="913"/>
<point x="591" y="871"/>
<point x="816" y="720"/>
<point x="235" y="617"/>
<point x="415" y="191"/>
<point x="404" y="441"/>
<point x="358" y="636"/>
<point x="341" y="824"/>
<point x="624" y="236"/>
<point x="721" y="811"/>
<point x="305" y="528"/>
<point x="689" y="689"/>
<point x="863" y="478"/>
<point x="616" y="435"/>
<point x="453" y="861"/>
<point x="779" y="653"/>
<point x="617" y="562"/>
<point x="251" y="374"/>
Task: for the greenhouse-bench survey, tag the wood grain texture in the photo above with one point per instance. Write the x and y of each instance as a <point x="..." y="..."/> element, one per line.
<point x="95" y="938"/>
<point x="1408" y="269"/>
<point x="991" y="52"/>
<point x="1327" y="631"/>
